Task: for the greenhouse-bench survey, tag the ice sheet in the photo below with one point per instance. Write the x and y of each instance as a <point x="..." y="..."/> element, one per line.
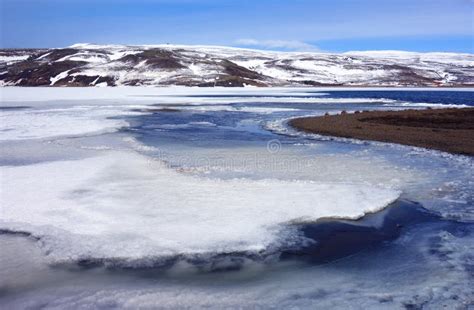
<point x="148" y="94"/>
<point x="421" y="270"/>
<point x="47" y="123"/>
<point x="123" y="205"/>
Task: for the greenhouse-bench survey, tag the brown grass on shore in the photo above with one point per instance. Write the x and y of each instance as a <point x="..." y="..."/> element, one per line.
<point x="450" y="130"/>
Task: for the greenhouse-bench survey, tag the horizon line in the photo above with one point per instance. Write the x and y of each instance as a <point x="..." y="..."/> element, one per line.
<point x="118" y="45"/>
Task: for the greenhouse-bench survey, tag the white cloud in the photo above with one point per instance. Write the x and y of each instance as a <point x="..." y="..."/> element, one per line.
<point x="278" y="44"/>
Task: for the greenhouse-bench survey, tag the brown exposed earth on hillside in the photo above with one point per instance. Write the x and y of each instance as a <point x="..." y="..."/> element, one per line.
<point x="115" y="65"/>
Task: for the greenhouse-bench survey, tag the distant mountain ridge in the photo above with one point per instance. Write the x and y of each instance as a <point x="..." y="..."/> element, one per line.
<point x="162" y="65"/>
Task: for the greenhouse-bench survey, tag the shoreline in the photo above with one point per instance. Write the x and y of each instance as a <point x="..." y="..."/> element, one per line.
<point x="449" y="130"/>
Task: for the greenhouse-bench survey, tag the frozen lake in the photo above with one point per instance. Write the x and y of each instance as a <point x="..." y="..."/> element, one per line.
<point x="183" y="197"/>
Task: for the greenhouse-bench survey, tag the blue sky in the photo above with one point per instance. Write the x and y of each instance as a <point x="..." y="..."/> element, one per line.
<point x="326" y="25"/>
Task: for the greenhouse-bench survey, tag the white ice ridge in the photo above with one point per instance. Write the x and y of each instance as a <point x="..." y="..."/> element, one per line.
<point x="124" y="205"/>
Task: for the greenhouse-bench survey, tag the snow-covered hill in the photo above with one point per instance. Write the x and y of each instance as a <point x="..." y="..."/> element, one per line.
<point x="112" y="65"/>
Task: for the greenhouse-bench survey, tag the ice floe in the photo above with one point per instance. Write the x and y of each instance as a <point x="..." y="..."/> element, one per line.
<point x="123" y="205"/>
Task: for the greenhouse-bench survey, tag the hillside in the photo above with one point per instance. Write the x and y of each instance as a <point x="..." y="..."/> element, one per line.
<point x="161" y="65"/>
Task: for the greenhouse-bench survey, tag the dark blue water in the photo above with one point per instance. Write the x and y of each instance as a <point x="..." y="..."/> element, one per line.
<point x="227" y="122"/>
<point x="440" y="97"/>
<point x="181" y="127"/>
